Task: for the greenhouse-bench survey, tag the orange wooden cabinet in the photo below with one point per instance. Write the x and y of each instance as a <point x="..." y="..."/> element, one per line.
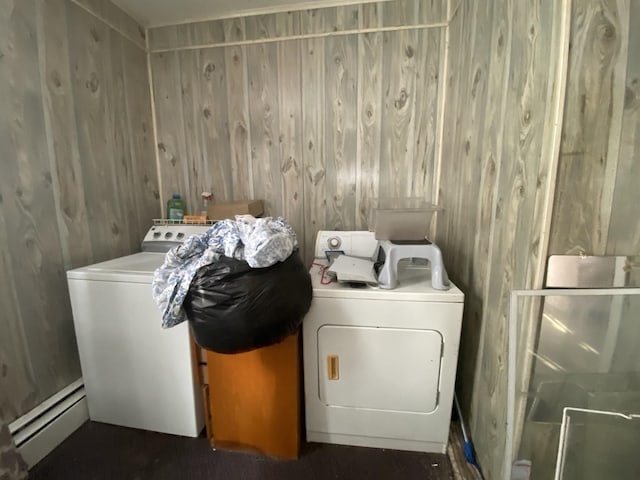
<point x="254" y="399"/>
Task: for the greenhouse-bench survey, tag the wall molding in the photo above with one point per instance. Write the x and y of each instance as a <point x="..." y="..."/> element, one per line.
<point x="306" y="36"/>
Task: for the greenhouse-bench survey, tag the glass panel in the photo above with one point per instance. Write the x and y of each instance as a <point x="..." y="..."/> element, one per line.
<point x="599" y="445"/>
<point x="582" y="352"/>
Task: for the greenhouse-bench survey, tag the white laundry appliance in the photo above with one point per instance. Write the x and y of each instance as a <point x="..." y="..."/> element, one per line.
<point x="380" y="363"/>
<point x="135" y="373"/>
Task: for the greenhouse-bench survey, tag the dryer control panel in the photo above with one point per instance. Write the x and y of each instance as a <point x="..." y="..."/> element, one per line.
<point x="357" y="243"/>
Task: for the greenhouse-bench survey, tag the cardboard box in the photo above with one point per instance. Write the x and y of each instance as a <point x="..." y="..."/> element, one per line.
<point x="221" y="211"/>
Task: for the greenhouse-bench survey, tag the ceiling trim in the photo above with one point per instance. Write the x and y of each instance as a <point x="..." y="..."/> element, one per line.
<point x="297" y="6"/>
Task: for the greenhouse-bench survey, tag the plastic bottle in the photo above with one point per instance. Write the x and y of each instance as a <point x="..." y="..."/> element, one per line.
<point x="206" y="198"/>
<point x="175" y="207"/>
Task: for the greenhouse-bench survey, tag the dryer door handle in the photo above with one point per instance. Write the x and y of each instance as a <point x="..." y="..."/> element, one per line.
<point x="333" y="367"/>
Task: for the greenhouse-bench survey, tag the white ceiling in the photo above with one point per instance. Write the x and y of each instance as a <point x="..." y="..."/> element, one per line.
<point x="169" y="12"/>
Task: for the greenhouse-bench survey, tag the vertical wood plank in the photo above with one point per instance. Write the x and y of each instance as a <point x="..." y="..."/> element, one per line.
<point x="215" y="127"/>
<point x="273" y="25"/>
<point x="313" y="152"/>
<point x="398" y="116"/>
<point x="262" y="72"/>
<point x="426" y="112"/>
<point x="139" y="126"/>
<point x="413" y="12"/>
<point x="17" y="382"/>
<point x="517" y="226"/>
<point x="624" y="229"/>
<point x="60" y="115"/>
<point x="124" y="202"/>
<point x="189" y="104"/>
<point x="237" y="106"/>
<point x="370" y="74"/>
<point x="290" y="141"/>
<point x="171" y="148"/>
<point x="340" y="131"/>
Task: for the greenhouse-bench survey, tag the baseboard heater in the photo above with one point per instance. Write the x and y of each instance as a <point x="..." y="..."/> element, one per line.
<point x="42" y="429"/>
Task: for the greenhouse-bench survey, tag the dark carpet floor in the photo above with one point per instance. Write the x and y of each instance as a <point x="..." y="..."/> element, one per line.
<point x="100" y="451"/>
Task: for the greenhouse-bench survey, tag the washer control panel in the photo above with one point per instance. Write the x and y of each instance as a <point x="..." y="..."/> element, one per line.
<point x="356" y="243"/>
<point x="161" y="238"/>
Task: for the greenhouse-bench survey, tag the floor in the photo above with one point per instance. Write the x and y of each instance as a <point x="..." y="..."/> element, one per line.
<point x="100" y="451"/>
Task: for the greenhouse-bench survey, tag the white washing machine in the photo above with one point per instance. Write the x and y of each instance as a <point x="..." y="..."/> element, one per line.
<point x="379" y="365"/>
<point x="135" y="373"/>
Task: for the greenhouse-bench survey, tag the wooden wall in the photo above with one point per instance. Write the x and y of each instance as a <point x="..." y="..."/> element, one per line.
<point x="302" y="109"/>
<point x="495" y="180"/>
<point x="78" y="182"/>
<point x="595" y="211"/>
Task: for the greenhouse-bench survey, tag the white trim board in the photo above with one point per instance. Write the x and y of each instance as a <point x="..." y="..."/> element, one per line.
<point x="45" y="427"/>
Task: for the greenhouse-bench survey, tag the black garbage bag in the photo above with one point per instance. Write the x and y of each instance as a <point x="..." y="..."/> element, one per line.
<point x="234" y="308"/>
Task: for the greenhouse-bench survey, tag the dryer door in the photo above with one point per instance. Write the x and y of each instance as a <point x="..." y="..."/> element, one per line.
<point x="379" y="368"/>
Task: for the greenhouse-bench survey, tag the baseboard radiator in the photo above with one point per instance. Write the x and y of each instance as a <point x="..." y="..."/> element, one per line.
<point x="42" y="429"/>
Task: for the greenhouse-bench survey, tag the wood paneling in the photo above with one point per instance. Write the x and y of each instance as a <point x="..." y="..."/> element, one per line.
<point x="395" y="13"/>
<point x="624" y="225"/>
<point x="492" y="189"/>
<point x="594" y="105"/>
<point x="497" y="164"/>
<point x="76" y="186"/>
<point x="116" y="18"/>
<point x="309" y="125"/>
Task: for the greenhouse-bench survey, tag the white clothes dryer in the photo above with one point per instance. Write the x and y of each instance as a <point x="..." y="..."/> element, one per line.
<point x="379" y="364"/>
<point x="135" y="373"/>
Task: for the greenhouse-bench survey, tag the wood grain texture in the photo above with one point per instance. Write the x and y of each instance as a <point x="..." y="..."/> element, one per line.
<point x="144" y="174"/>
<point x="191" y="99"/>
<point x="491" y="187"/>
<point x="70" y="172"/>
<point x="313" y="152"/>
<point x="305" y="118"/>
<point x="595" y="94"/>
<point x="255" y="399"/>
<point x="412" y="12"/>
<point x="60" y="111"/>
<point x="275" y="25"/>
<point x="215" y="126"/>
<point x="37" y="283"/>
<point x="238" y="110"/>
<point x="624" y="227"/>
<point x="91" y="66"/>
<point x="340" y="131"/>
<point x="519" y="189"/>
<point x="327" y="21"/>
<point x="290" y="140"/>
<point x="262" y="71"/>
<point x="471" y="151"/>
<point x="169" y="119"/>
<point x="115" y="17"/>
<point x="370" y="117"/>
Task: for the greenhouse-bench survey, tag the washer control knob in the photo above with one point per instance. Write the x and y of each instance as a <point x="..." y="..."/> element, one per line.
<point x="334" y="242"/>
<point x="156" y="234"/>
<point x="168" y="235"/>
<point x="180" y="236"/>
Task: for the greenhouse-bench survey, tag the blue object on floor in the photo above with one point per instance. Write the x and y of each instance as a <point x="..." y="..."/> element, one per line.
<point x="468" y="446"/>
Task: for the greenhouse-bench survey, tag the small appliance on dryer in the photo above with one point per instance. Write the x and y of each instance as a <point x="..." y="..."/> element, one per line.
<point x="135" y="373"/>
<point x="380" y="363"/>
